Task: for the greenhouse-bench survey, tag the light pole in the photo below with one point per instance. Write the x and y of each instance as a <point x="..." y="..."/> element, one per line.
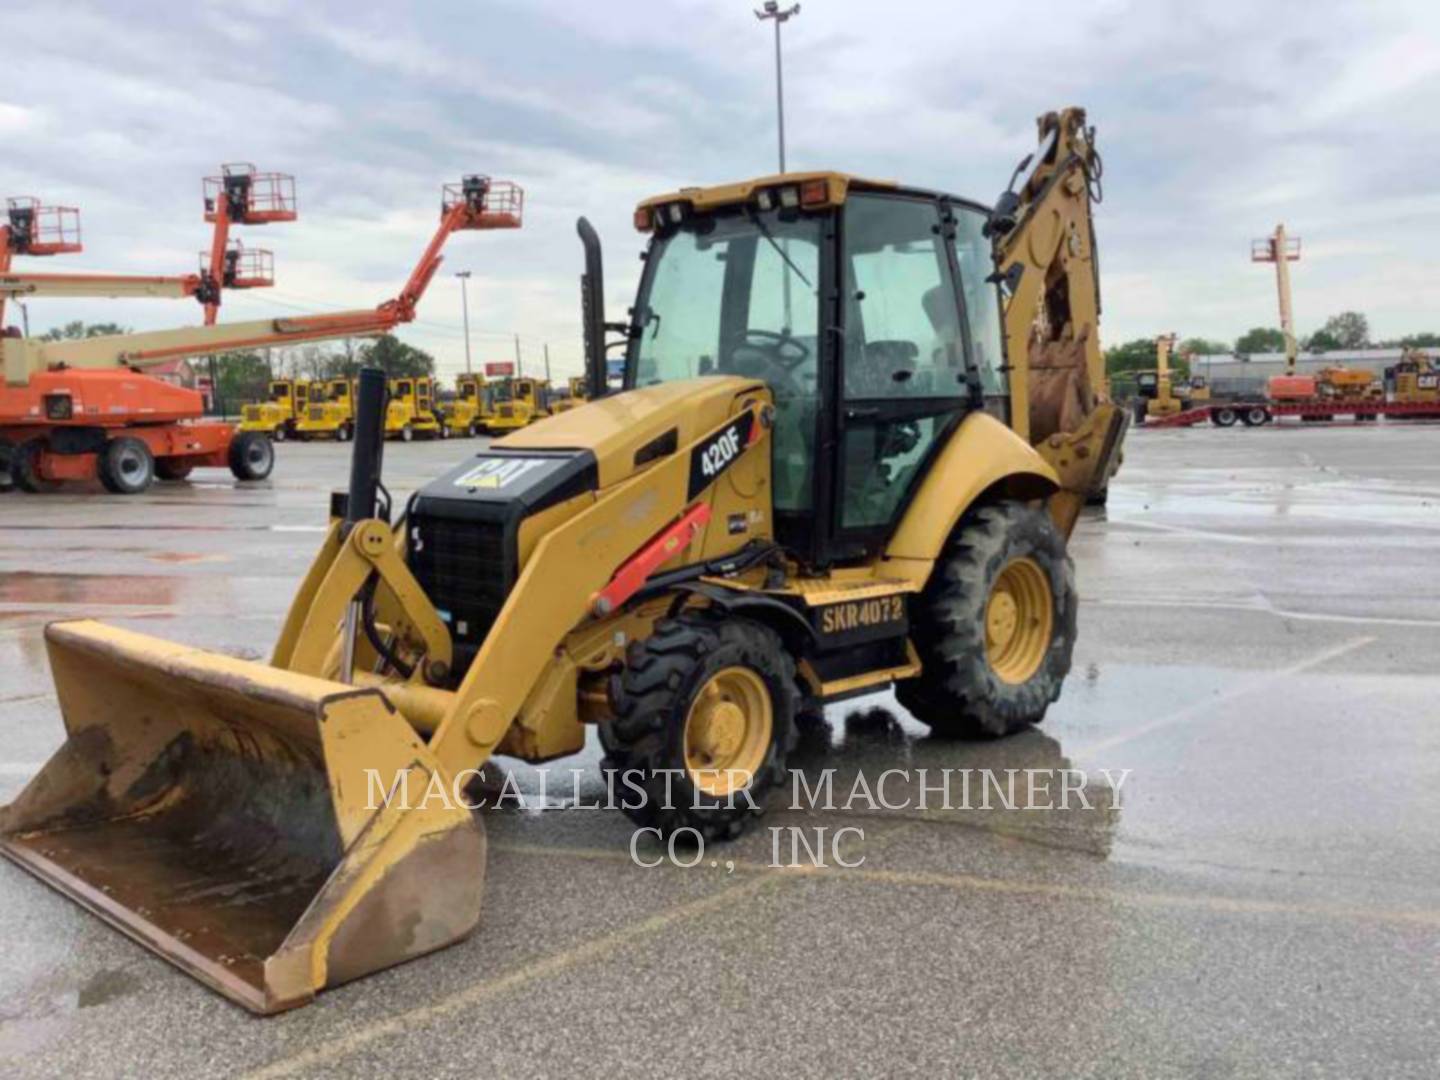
<point x="519" y="364"/>
<point x="464" y="276"/>
<point x="772" y="10"/>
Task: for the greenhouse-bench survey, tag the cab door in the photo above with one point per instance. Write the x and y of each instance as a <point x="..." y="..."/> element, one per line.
<point x="906" y="370"/>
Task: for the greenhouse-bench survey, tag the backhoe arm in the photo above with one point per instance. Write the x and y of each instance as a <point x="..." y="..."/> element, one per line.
<point x="1047" y="265"/>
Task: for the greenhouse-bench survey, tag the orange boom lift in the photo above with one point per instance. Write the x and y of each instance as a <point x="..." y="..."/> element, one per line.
<point x="75" y="410"/>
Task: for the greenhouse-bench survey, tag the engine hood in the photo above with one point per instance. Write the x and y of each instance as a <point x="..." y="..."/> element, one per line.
<point x="615" y="428"/>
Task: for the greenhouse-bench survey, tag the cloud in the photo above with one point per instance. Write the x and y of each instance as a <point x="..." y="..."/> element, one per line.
<point x="1215" y="120"/>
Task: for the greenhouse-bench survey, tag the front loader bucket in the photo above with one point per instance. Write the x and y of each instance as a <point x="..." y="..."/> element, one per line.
<point x="246" y="823"/>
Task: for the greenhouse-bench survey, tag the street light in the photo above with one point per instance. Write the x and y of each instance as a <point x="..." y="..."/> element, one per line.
<point x="464" y="276"/>
<point x="772" y="11"/>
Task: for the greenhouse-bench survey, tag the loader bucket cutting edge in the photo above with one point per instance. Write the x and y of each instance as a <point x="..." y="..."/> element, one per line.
<point x="219" y="811"/>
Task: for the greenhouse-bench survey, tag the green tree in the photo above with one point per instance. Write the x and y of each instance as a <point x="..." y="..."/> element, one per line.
<point x="396" y="358"/>
<point x="1260" y="339"/>
<point x="240" y="377"/>
<point x="78" y="329"/>
<point x="1203" y="347"/>
<point x="1323" y="340"/>
<point x="1349" y="328"/>
<point x="1413" y="341"/>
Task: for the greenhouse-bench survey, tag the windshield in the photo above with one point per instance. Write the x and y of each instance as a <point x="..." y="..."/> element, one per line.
<point x="731" y="295"/>
<point x="738" y="294"/>
<point x="504" y="391"/>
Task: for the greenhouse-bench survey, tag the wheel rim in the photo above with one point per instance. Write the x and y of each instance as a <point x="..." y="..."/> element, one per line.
<point x="728" y="731"/>
<point x="1019" y="619"/>
<point x="131" y="465"/>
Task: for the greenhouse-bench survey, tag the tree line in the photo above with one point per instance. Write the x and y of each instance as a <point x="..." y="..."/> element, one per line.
<point x="1347" y="330"/>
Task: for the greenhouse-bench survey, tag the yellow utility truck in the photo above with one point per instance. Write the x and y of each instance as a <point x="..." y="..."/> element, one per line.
<point x="575" y="395"/>
<point x="854" y="463"/>
<point x="411" y="410"/>
<point x="464" y="413"/>
<point x="331" y="412"/>
<point x="516" y="402"/>
<point x="277" y="415"/>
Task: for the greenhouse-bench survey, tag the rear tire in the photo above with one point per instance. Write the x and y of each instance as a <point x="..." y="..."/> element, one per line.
<point x="173" y="468"/>
<point x="25" y="468"/>
<point x="471" y="431"/>
<point x="342" y="433"/>
<point x="127" y="467"/>
<point x="1254" y="416"/>
<point x="407" y="433"/>
<point x="279" y="433"/>
<point x="693" y="698"/>
<point x="995" y="625"/>
<point x="7" y="466"/>
<point x="1224" y="416"/>
<point x="251" y="456"/>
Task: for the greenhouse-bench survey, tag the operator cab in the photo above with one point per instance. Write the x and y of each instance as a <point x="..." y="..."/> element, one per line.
<point x="868" y="310"/>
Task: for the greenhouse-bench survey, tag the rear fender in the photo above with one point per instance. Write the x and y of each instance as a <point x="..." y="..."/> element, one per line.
<point x="982" y="457"/>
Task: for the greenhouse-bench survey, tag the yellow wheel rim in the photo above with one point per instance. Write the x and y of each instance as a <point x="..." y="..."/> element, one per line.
<point x="728" y="731"/>
<point x="1019" y="618"/>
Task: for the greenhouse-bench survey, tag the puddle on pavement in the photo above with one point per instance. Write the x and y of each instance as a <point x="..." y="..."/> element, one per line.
<point x="883" y="767"/>
<point x="29" y="587"/>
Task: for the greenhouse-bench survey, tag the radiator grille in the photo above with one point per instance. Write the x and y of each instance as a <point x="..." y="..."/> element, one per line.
<point x="464" y="568"/>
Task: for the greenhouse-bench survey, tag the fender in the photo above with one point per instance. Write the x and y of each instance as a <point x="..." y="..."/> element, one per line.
<point x="981" y="453"/>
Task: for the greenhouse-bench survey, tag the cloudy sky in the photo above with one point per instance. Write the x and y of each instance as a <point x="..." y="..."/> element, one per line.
<point x="1216" y="120"/>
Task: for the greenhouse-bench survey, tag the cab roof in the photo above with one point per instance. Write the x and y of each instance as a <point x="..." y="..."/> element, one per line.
<point x="837" y="186"/>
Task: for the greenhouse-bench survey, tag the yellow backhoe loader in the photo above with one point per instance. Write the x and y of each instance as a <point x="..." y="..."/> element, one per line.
<point x="856" y="464"/>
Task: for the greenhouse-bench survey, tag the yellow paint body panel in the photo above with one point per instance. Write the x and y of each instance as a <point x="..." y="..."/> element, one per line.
<point x="982" y="453"/>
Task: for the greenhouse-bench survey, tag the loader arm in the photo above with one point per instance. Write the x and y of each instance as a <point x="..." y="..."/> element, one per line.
<point x="1047" y="264"/>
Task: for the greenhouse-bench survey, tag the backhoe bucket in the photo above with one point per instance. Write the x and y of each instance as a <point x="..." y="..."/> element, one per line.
<point x="270" y="833"/>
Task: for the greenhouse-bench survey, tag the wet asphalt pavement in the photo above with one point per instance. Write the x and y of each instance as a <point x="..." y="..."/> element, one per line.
<point x="1257" y="648"/>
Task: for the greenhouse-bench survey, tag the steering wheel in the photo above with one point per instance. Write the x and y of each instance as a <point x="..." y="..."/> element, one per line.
<point x="779" y="356"/>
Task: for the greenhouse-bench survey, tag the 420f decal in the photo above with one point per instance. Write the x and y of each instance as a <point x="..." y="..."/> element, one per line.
<point x="718" y="452"/>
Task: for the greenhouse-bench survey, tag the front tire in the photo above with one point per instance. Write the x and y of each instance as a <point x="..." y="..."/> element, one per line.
<point x="279" y="433"/>
<point x="995" y="625"/>
<point x="127" y="467"/>
<point x="1224" y="417"/>
<point x="714" y="699"/>
<point x="407" y="434"/>
<point x="251" y="456"/>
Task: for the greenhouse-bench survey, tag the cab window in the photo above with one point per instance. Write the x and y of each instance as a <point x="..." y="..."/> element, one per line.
<point x="975" y="260"/>
<point x="904" y="372"/>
